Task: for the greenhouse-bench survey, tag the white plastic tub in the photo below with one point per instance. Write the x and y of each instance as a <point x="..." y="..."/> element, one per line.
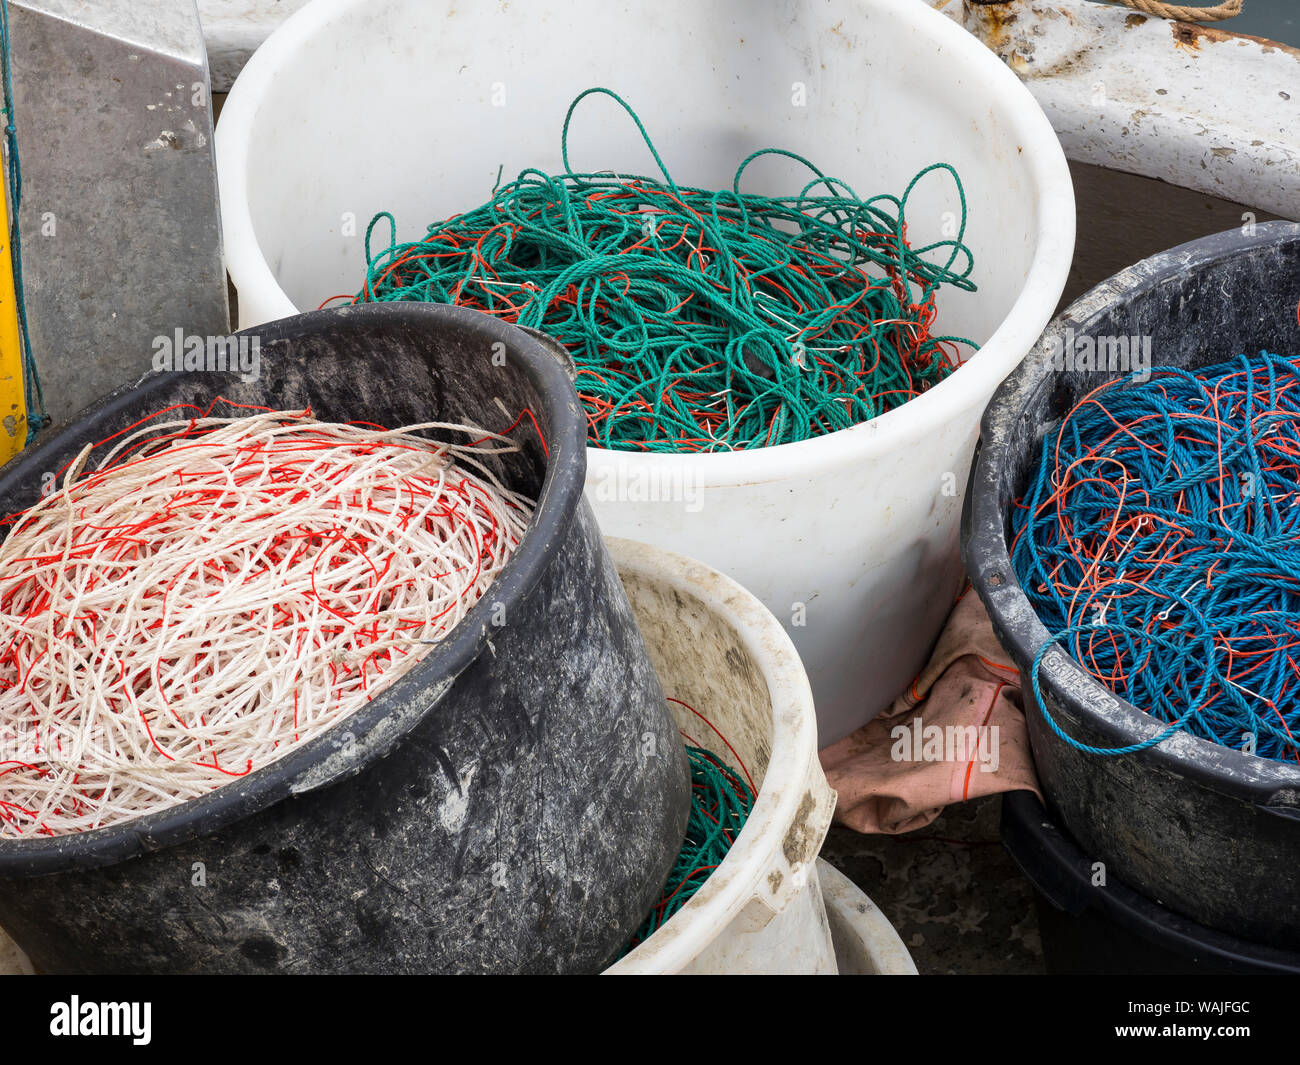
<point x="865" y="942"/>
<point x="356" y="106"/>
<point x="718" y="649"/>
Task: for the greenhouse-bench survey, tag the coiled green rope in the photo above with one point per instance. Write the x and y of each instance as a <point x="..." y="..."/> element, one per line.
<point x="720" y="805"/>
<point x="700" y="320"/>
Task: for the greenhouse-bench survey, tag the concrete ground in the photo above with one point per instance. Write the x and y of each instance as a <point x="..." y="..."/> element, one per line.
<point x="954" y="895"/>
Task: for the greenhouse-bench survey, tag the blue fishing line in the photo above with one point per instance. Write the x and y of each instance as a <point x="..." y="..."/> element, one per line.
<point x="1159" y="541"/>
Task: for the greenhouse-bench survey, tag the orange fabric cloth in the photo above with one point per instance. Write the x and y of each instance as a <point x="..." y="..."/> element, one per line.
<point x="957" y="734"/>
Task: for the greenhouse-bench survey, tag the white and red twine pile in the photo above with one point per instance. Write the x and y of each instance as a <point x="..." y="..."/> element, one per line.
<point x="218" y="589"/>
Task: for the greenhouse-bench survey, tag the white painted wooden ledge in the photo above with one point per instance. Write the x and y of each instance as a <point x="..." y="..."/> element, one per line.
<point x="1207" y="110"/>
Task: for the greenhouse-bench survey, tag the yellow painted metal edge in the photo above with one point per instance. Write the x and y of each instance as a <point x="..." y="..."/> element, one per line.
<point x="13" y="405"/>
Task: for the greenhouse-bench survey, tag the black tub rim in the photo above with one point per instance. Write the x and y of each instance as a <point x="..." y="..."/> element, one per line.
<point x="375" y="728"/>
<point x="1061" y="873"/>
<point x="1261" y="781"/>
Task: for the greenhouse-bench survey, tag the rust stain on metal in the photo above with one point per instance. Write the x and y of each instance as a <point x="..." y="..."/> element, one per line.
<point x="1134" y="20"/>
<point x="1012" y="39"/>
<point x="1186" y="37"/>
<point x="1190" y="37"/>
<point x="1268" y="46"/>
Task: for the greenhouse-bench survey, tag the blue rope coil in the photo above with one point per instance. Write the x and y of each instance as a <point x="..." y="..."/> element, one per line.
<point x="1159" y="541"/>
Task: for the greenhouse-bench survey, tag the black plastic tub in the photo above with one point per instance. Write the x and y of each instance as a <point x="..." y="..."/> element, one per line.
<point x="1089" y="926"/>
<point x="493" y="810"/>
<point x="1212" y="832"/>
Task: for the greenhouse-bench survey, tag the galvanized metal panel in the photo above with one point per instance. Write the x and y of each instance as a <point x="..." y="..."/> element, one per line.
<point x="121" y="233"/>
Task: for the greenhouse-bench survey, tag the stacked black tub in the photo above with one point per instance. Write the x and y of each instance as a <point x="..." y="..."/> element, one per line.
<point x="1211" y="835"/>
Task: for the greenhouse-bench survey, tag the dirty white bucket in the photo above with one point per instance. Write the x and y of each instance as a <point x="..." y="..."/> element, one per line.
<point x="720" y="651"/>
<point x="865" y="942"/>
<point x="357" y="106"/>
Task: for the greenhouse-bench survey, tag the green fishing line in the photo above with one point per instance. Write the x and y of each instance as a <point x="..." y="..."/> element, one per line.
<point x="701" y="320"/>
<point x="720" y="805"/>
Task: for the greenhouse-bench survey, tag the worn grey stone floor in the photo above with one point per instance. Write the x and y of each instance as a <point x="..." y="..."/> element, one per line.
<point x="954" y="895"/>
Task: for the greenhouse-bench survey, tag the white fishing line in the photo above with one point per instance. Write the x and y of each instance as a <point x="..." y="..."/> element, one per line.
<point x="216" y="590"/>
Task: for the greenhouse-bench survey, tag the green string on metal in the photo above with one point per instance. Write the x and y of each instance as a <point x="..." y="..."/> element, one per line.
<point x="37" y="418"/>
<point x="700" y="320"/>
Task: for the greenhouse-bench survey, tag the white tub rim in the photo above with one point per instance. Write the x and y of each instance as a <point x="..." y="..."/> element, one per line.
<point x="736" y="882"/>
<point x="870" y="927"/>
